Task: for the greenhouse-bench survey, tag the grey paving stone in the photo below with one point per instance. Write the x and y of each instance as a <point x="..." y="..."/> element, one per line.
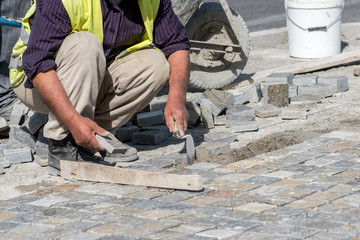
<point x="315" y="186"/>
<point x="33" y="124"/>
<point x="276" y="94"/>
<point x="17" y="114"/>
<point x="206" y="114"/>
<point x="340" y="82"/>
<point x="242" y="98"/>
<point x="268" y="110"/>
<point x="3" y="124"/>
<point x="148" y="138"/>
<point x="124" y="134"/>
<point x="150" y="118"/>
<point x="42" y="145"/>
<point x="293" y="91"/>
<point x="218" y="148"/>
<point x="255" y="93"/>
<point x="322" y="90"/>
<point x="285" y="231"/>
<point x="18" y="135"/>
<point x="286" y="211"/>
<point x="223" y="136"/>
<point x="244" y="225"/>
<point x="217" y="106"/>
<point x="279" y="78"/>
<point x="5" y="226"/>
<point x="307" y="79"/>
<point x="263" y="180"/>
<point x="80" y="236"/>
<point x="306" y="97"/>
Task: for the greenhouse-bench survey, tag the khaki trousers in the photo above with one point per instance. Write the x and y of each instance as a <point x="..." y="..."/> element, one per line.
<point x="110" y="95"/>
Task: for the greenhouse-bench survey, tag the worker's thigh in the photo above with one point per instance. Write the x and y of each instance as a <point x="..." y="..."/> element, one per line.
<point x="129" y="85"/>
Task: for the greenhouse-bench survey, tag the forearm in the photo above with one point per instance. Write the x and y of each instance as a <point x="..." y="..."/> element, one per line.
<point x="178" y="83"/>
<point x="54" y="95"/>
<point x="179" y="75"/>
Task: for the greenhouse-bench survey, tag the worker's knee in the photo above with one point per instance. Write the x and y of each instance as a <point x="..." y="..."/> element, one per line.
<point x="81" y="46"/>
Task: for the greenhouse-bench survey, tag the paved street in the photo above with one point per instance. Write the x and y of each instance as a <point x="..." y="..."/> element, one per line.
<point x="306" y="191"/>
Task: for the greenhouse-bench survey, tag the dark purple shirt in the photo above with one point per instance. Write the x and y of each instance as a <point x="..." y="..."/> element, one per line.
<point x="51" y="25"/>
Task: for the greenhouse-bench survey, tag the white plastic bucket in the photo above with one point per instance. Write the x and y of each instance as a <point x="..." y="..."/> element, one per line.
<point x="314" y="27"/>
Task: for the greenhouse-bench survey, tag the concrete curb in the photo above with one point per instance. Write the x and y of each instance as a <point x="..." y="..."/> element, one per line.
<point x="277" y="36"/>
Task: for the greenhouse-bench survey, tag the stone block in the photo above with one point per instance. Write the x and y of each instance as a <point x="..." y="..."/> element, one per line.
<point x="245" y="126"/>
<point x="158" y="104"/>
<point x="17" y="135"/>
<point x="206" y="114"/>
<point x="16" y="114"/>
<point x="305" y="105"/>
<point x="266" y="111"/>
<point x="223" y="136"/>
<point x="150" y="118"/>
<point x="307" y="97"/>
<point x="216" y="104"/>
<point x="255" y="93"/>
<point x="220" y="120"/>
<point x="42" y="145"/>
<point x="161" y="128"/>
<point x="18" y="155"/>
<point x="293" y="113"/>
<point x="242" y="98"/>
<point x="240" y="110"/>
<point x="148" y="138"/>
<point x="225" y="97"/>
<point x="34" y="123"/>
<point x="111" y="143"/>
<point x="322" y="90"/>
<point x="305" y="80"/>
<point x="340" y="82"/>
<point x="279" y="78"/>
<point x="124" y="133"/>
<point x="194" y="119"/>
<point x="3" y="125"/>
<point x="293" y="91"/>
<point x="218" y="148"/>
<point x="2" y="170"/>
<point x="276" y="94"/>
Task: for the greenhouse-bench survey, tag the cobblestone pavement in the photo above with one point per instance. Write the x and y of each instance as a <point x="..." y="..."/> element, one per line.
<point x="306" y="191"/>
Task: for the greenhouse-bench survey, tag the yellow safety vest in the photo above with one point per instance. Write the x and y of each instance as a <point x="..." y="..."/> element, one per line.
<point x="85" y="15"/>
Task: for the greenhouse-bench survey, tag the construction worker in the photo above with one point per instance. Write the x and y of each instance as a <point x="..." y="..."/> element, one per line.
<point x="8" y="38"/>
<point x="92" y="64"/>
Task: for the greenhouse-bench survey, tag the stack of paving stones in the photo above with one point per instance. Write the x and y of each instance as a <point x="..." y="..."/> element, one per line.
<point x="294" y="96"/>
<point x="26" y="142"/>
<point x="305" y="191"/>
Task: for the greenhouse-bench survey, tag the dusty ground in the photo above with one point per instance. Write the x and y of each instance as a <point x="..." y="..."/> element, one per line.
<point x="337" y="112"/>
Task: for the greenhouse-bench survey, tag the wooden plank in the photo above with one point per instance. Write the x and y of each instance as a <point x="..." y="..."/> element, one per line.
<point x="100" y="173"/>
<point x="305" y="67"/>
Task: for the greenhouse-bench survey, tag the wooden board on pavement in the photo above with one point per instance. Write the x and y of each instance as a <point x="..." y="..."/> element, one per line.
<point x="101" y="173"/>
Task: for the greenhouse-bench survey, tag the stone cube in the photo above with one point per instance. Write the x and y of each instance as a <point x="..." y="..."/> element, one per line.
<point x="16" y="114"/>
<point x="340" y="82"/>
<point x="206" y="114"/>
<point x="218" y="148"/>
<point x="255" y="93"/>
<point x="153" y="137"/>
<point x="124" y="133"/>
<point x="305" y="80"/>
<point x="244" y="126"/>
<point x="34" y="123"/>
<point x="306" y="97"/>
<point x="322" y="90"/>
<point x="150" y="118"/>
<point x="279" y="78"/>
<point x="293" y="91"/>
<point x="18" y="155"/>
<point x="276" y="94"/>
<point x="217" y="105"/>
<point x="220" y="120"/>
<point x="240" y="99"/>
<point x="266" y="111"/>
<point x="17" y="135"/>
<point x="3" y="124"/>
<point x="223" y="136"/>
<point x="42" y="145"/>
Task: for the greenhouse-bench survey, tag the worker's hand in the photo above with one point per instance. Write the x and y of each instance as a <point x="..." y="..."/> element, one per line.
<point x="83" y="130"/>
<point x="176" y="111"/>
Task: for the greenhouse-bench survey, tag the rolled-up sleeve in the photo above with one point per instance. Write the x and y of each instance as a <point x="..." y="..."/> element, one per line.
<point x="169" y="33"/>
<point x="49" y="27"/>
